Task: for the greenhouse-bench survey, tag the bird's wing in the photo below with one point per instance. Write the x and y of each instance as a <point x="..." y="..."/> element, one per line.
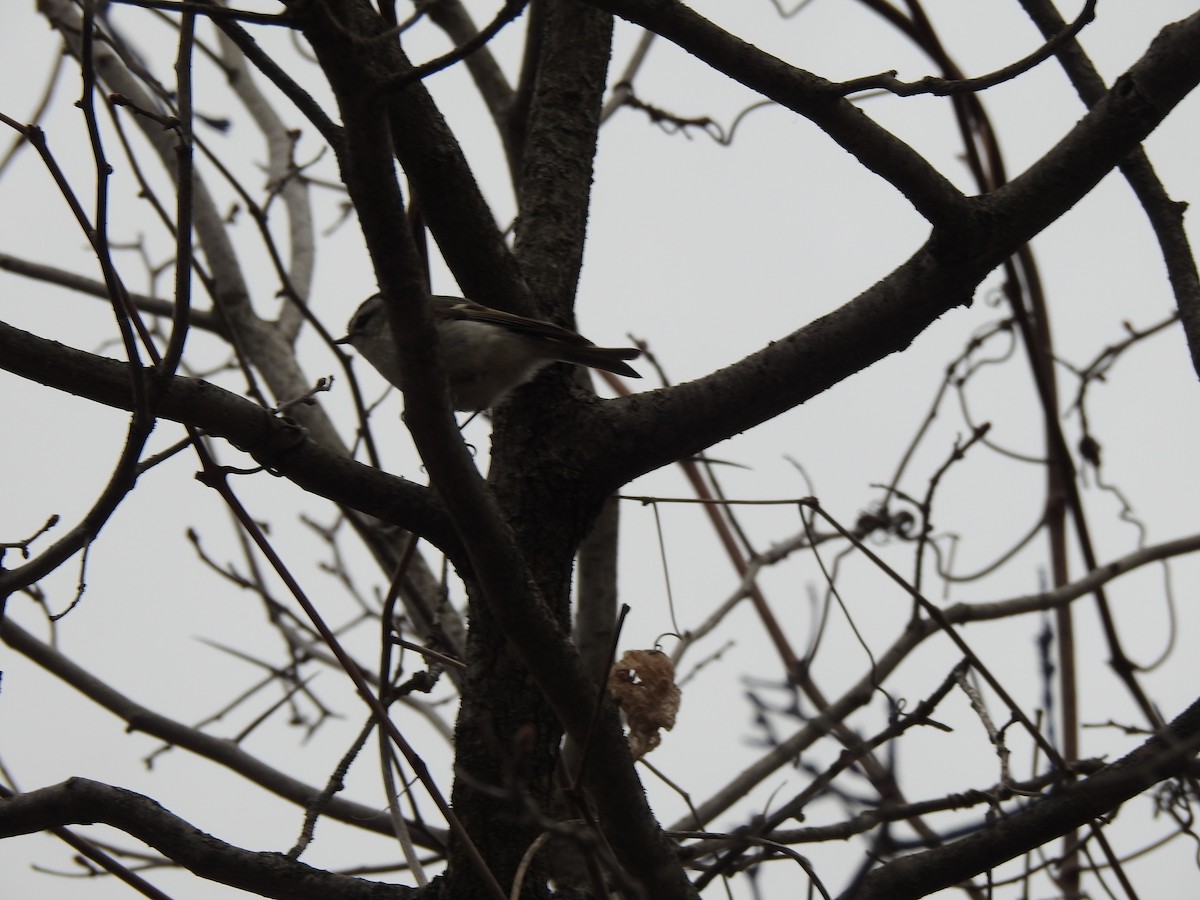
<point x="469" y="310"/>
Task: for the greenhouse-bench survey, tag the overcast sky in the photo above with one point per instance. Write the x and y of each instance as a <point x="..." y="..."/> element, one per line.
<point x="707" y="252"/>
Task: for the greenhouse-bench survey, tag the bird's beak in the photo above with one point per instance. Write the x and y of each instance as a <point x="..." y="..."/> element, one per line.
<point x="343" y="340"/>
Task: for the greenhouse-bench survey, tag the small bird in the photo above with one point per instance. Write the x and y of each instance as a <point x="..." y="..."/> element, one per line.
<point x="486" y="352"/>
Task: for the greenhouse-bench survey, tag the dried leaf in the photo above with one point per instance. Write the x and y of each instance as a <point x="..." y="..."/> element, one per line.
<point x="643" y="684"/>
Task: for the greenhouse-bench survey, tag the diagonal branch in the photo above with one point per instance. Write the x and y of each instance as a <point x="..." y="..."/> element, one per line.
<point x="943" y="87"/>
<point x="809" y="95"/>
<point x="217" y="749"/>
<point x="653" y="429"/>
<point x="275" y="443"/>
<point x="1165" y="215"/>
<point x="918" y="630"/>
<point x="1164" y="755"/>
<point x="81" y="801"/>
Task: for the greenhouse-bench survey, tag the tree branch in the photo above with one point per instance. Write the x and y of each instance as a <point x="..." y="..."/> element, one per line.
<point x="274" y="442"/>
<point x="497" y="562"/>
<point x="217" y="749"/>
<point x="652" y="429"/>
<point x="560" y="136"/>
<point x="943" y="87"/>
<point x="80" y="801"/>
<point x="203" y="319"/>
<point x="1165" y="214"/>
<point x="1164" y="755"/>
<point x="804" y="93"/>
<point x="786" y="751"/>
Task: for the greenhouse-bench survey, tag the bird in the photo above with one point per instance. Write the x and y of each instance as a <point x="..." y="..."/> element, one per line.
<point x="486" y="352"/>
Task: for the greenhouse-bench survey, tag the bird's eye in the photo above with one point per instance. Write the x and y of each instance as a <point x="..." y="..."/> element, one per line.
<point x="364" y="317"/>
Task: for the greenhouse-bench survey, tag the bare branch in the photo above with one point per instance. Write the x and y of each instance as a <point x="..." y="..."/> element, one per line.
<point x="79" y="801"/>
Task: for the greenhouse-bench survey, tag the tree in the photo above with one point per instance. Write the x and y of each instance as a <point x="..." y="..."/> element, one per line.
<point x="546" y="794"/>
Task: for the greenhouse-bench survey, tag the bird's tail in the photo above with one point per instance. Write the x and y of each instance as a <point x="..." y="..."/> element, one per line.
<point x="610" y="359"/>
